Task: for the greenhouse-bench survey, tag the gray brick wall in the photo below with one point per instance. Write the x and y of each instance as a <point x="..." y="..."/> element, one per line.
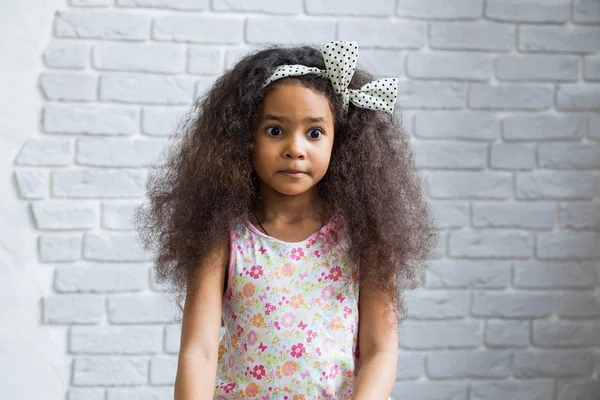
<point x="501" y="99"/>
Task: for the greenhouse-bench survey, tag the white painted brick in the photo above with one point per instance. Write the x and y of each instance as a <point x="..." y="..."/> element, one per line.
<point x="45" y="152"/>
<point x="538" y="389"/>
<point x="512" y="156"/>
<point x="104" y="246"/>
<point x="161" y="58"/>
<point x="73" y="309"/>
<point x="543" y="127"/>
<point x="510" y="97"/>
<point x="163" y="370"/>
<point x="90" y="3"/>
<point x="569" y="245"/>
<point x="433" y="305"/>
<point x="63" y="54"/>
<point x="60" y="215"/>
<point x="289" y="7"/>
<point x="468" y="364"/>
<point x="450" y="155"/>
<point x="591" y="68"/>
<point x="118" y="216"/>
<point x="427" y="390"/>
<point x="471" y="36"/>
<point x="115" y="339"/>
<point x="32" y="184"/>
<point x="172" y="338"/>
<point x="514" y="215"/>
<point x="410" y="365"/>
<point x="86" y="394"/>
<point x="450" y="214"/>
<point x="59" y="248"/>
<point x="479" y="126"/>
<point x="578" y="389"/>
<point x="440" y="9"/>
<point x="431" y="94"/>
<point x="429" y="335"/>
<point x="579" y="305"/>
<point x="537" y="67"/>
<point x="141" y="309"/>
<point x="102" y="25"/>
<point x="484" y="244"/>
<point x="110" y="371"/>
<point x="382" y="63"/>
<point x="146" y="89"/>
<point x="457" y="66"/>
<point x="536" y="274"/>
<point x="586" y="11"/>
<point x="204" y="60"/>
<point x="185" y="5"/>
<point x="203" y="85"/>
<point x="162" y="121"/>
<point x="142" y="393"/>
<point x="548" y="363"/>
<point x="579" y="215"/>
<point x="289" y="31"/>
<point x="89" y="183"/>
<point x="569" y="156"/>
<point x="441" y="249"/>
<point x="91" y="119"/>
<point x="512" y="305"/>
<point x="558" y="39"/>
<point x="64" y="86"/>
<point x="578" y="97"/>
<point x="455" y="274"/>
<point x="198" y="28"/>
<point x="553" y="11"/>
<point x="594" y="127"/>
<point x="101" y="278"/>
<point x="566" y="333"/>
<point x="383" y="34"/>
<point x="233" y="55"/>
<point x="563" y="185"/>
<point x="506" y="333"/>
<point x="111" y="152"/>
<point x="480" y="185"/>
<point x="357" y="8"/>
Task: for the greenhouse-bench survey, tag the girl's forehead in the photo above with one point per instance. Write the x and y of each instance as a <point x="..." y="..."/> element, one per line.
<point x="292" y="100"/>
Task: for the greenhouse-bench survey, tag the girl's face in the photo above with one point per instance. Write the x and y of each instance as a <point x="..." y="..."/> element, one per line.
<point x="294" y="139"/>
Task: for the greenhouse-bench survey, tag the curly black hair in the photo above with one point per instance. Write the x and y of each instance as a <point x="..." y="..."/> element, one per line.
<point x="207" y="182"/>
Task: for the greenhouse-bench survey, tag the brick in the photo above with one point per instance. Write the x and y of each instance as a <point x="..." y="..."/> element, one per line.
<point x="537" y="67"/>
<point x="511" y="156"/>
<point x="285" y="30"/>
<point x="456" y="66"/>
<point x="102" y="25"/>
<point x="232" y="56"/>
<point x="45" y="152"/>
<point x="140" y="309"/>
<point x="465" y="364"/>
<point x="555" y="11"/>
<point x="450" y="214"/>
<point x="382" y="63"/>
<point x="480" y="185"/>
<point x="539" y="389"/>
<point x="113" y="247"/>
<point x="410" y="366"/>
<point x="100" y="278"/>
<point x="594" y="133"/>
<point x="579" y="215"/>
<point x="566" y="333"/>
<point x="536" y="274"/>
<point x="431" y="94"/>
<point x="110" y="371"/>
<point x="118" y="216"/>
<point x="456" y="274"/>
<point x="172" y="338"/>
<point x="440" y="9"/>
<point x="506" y="333"/>
<point x="569" y="156"/>
<point x="558" y="39"/>
<point x="484" y="244"/>
<point x="89" y="183"/>
<point x="450" y="155"/>
<point x="586" y="11"/>
<point x="578" y="97"/>
<point x="90" y="119"/>
<point x="162" y="121"/>
<point x="73" y="309"/>
<point x="59" y="248"/>
<point x="135" y="57"/>
<point x="477" y="126"/>
<point x="591" y="68"/>
<point x="59" y="215"/>
<point x="432" y="305"/>
<point x="32" y="184"/>
<point x="185" y="5"/>
<point x="142" y="393"/>
<point x="86" y="393"/>
<point x="260" y="6"/>
<point x="62" y="54"/>
<point x="471" y="36"/>
<point x="568" y="245"/>
<point x="441" y="249"/>
<point x="543" y="127"/>
<point x="510" y="97"/>
<point x="203" y="85"/>
<point x="512" y="305"/>
<point x="514" y="215"/>
<point x="163" y="370"/>
<point x="552" y="363"/>
<point x="427" y="390"/>
<point x="564" y="185"/>
<point x="579" y="305"/>
<point x="106" y="152"/>
<point x="115" y="339"/>
<point x="357" y="8"/>
<point x="63" y="86"/>
<point x="146" y="89"/>
<point x="204" y="61"/>
<point x="90" y="3"/>
<point x="384" y="34"/>
<point x="579" y="389"/>
<point x="424" y="335"/>
<point x="198" y="29"/>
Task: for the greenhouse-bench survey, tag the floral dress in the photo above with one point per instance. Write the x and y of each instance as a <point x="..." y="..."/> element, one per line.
<point x="291" y="317"/>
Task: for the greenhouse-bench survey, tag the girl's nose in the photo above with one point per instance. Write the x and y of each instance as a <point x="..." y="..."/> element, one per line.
<point x="295" y="147"/>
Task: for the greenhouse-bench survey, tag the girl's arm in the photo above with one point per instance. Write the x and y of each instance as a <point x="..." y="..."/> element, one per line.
<point x="378" y="346"/>
<point x="200" y="329"/>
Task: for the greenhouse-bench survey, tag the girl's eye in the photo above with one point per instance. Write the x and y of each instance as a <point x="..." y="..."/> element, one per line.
<point x="315" y="133"/>
<point x="274" y="130"/>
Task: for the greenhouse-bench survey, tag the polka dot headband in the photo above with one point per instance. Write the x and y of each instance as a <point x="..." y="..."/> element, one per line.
<point x="340" y="62"/>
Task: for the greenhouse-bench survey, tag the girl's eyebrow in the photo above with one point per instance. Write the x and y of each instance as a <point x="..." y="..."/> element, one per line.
<point x="284" y="119"/>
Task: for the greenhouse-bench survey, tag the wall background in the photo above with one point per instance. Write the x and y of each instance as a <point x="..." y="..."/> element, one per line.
<point x="501" y="98"/>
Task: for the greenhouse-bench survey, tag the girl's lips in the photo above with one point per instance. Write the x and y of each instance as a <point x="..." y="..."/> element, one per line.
<point x="293" y="173"/>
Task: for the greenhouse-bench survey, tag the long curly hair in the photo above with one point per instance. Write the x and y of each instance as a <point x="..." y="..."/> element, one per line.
<point x="207" y="181"/>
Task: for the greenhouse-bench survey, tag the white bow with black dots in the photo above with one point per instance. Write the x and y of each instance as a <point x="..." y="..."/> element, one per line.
<point x="340" y="62"/>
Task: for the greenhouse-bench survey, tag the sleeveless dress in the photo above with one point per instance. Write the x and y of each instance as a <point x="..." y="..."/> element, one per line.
<point x="290" y="312"/>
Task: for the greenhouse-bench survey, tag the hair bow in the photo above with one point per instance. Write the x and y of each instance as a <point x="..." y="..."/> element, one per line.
<point x="340" y="62"/>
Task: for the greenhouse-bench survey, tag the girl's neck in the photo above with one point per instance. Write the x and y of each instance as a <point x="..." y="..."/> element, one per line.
<point x="289" y="209"/>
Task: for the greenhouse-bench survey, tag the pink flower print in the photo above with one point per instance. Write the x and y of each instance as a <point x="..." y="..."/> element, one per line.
<point x="297" y="254"/>
<point x="327" y="292"/>
<point x="347" y="311"/>
<point x="276" y="323"/>
<point x="239" y="249"/>
<point x="310" y="335"/>
<point x="262" y="347"/>
<point x="335" y="273"/>
<point x="297" y="350"/>
<point x="256" y="271"/>
<point x="269" y="308"/>
<point x="240" y="331"/>
<point x="333" y="371"/>
<point x="340" y="298"/>
<point x="229" y="387"/>
<point x="317" y="253"/>
<point x="252" y="338"/>
<point x="288" y="320"/>
<point x="259" y="371"/>
<point x="327" y="393"/>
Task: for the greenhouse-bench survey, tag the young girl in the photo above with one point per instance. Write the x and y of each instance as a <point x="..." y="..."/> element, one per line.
<point x="290" y="209"/>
